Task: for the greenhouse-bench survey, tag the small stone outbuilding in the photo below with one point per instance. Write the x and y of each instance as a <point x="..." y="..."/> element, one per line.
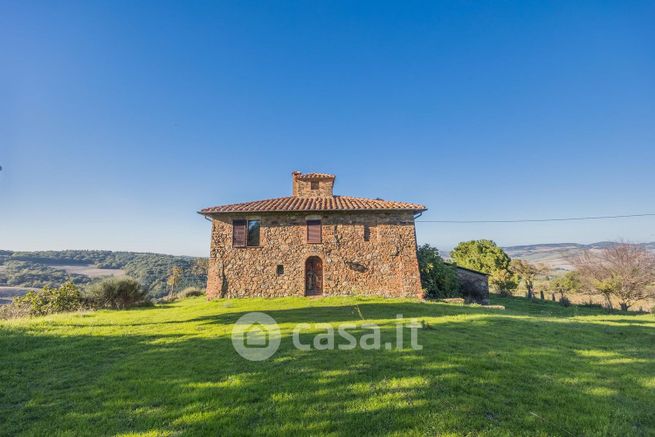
<point x="474" y="285"/>
<point x="313" y="243"/>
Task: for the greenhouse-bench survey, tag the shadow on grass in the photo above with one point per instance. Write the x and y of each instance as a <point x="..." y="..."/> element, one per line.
<point x="493" y="374"/>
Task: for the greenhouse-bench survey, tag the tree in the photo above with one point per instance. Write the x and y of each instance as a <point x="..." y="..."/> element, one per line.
<point x="566" y="284"/>
<point x="199" y="268"/>
<point x="504" y="282"/>
<point x="527" y="273"/>
<point x="622" y="271"/>
<point x="174" y="278"/>
<point x="438" y="279"/>
<point x="485" y="256"/>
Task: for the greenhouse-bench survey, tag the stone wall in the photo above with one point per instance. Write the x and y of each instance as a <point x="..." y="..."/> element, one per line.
<point x="385" y="265"/>
<point x="474" y="285"/>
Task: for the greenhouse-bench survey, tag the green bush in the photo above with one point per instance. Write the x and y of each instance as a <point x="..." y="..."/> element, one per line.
<point x="50" y="300"/>
<point x="116" y="293"/>
<point x="438" y="279"/>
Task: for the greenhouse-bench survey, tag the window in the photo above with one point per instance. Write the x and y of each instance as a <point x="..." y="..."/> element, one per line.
<point x="314" y="231"/>
<point x="367" y="232"/>
<point x="253" y="232"/>
<point x="280" y="270"/>
<point x="314" y="185"/>
<point x="245" y="233"/>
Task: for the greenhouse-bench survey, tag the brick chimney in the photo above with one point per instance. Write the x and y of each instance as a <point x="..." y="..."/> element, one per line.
<point x="312" y="184"/>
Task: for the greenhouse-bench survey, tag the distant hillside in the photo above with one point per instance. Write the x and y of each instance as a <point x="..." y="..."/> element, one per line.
<point x="52" y="268"/>
<point x="558" y="255"/>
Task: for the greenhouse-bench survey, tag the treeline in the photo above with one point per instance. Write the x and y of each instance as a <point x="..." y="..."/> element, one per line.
<point x="104" y="259"/>
<point x="154" y="271"/>
<point x="151" y="270"/>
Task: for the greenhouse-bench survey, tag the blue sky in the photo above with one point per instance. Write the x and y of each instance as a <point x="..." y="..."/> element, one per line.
<point x="119" y="120"/>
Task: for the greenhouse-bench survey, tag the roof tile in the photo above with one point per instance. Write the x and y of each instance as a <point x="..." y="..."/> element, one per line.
<point x="334" y="203"/>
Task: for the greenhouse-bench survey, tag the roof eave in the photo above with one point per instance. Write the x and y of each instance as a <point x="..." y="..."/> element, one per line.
<point x="415" y="210"/>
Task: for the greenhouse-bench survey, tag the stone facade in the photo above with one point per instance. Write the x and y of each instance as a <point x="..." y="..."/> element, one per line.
<point x="361" y="252"/>
<point x="385" y="265"/>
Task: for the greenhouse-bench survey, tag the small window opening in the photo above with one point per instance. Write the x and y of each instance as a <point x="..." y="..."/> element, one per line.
<point x="314" y="185"/>
<point x="279" y="270"/>
<point x="367" y="232"/>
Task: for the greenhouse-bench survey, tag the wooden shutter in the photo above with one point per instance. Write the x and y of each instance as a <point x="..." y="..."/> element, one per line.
<point x="239" y="233"/>
<point x="313" y="231"/>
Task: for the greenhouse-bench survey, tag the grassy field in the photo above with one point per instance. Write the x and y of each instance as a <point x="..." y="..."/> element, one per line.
<point x="531" y="369"/>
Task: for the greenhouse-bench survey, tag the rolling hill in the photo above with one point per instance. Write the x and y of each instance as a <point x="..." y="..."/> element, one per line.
<point x="558" y="255"/>
<point x="20" y="271"/>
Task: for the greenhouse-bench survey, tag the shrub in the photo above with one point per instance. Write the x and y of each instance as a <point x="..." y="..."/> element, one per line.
<point x="13" y="311"/>
<point x="187" y="292"/>
<point x="565" y="301"/>
<point x="438" y="279"/>
<point x="116" y="293"/>
<point x="569" y="283"/>
<point x="504" y="282"/>
<point x="50" y="300"/>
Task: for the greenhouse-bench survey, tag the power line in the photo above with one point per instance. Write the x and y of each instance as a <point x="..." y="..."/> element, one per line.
<point x="560" y="219"/>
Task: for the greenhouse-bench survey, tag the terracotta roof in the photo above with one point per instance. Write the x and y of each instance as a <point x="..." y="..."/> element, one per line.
<point x="307" y="176"/>
<point x="334" y="203"/>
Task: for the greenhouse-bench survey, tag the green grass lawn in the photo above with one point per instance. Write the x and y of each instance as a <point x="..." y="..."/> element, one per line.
<point x="532" y="369"/>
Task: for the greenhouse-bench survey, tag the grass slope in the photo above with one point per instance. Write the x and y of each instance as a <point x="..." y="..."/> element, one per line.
<point x="533" y="369"/>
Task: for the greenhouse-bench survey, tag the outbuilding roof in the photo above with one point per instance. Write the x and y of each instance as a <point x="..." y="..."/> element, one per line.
<point x="333" y="203"/>
<point x="468" y="270"/>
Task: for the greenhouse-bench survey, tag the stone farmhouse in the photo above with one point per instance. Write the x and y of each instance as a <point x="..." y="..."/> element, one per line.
<point x="313" y="243"/>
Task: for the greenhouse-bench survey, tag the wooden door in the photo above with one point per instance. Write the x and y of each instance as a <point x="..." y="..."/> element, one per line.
<point x="313" y="276"/>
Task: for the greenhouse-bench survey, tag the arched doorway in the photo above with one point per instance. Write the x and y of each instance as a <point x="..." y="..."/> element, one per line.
<point x="313" y="276"/>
